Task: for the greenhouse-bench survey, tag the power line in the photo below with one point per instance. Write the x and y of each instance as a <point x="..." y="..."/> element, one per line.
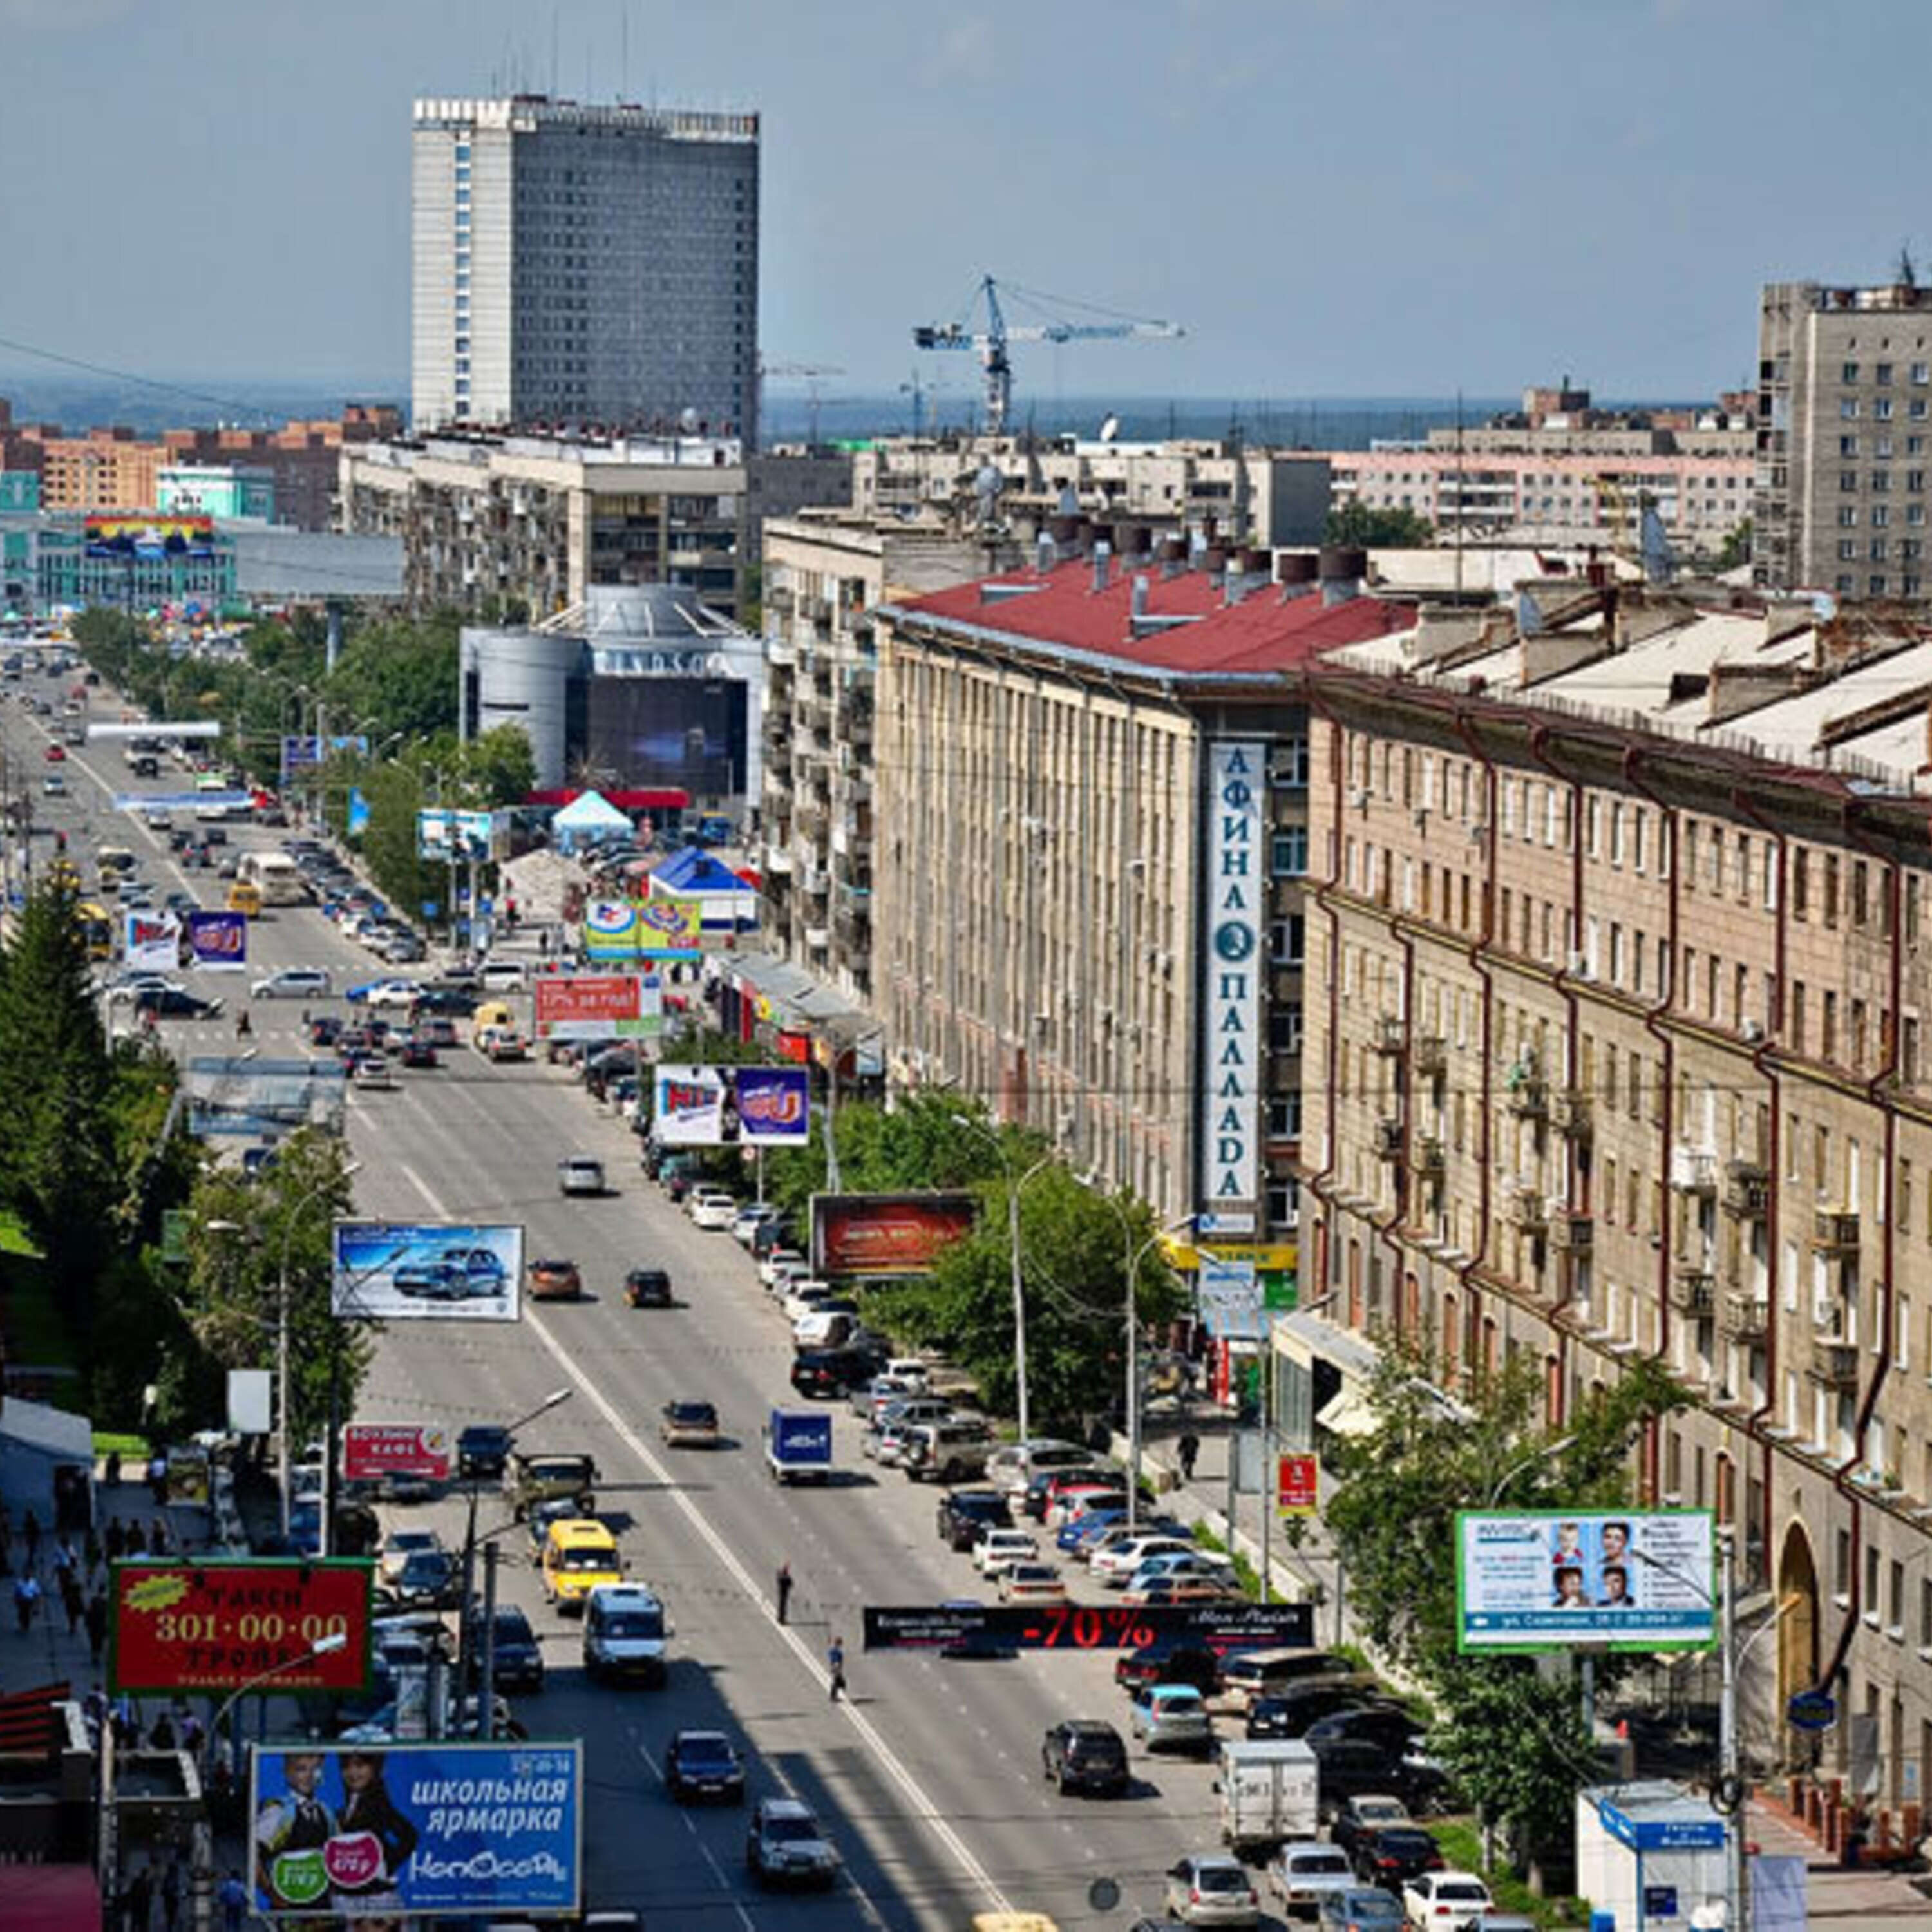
<point x="128" y="376"/>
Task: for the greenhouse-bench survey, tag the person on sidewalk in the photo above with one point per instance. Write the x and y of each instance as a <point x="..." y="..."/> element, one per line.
<point x="158" y="1538"/>
<point x="834" y="1659"/>
<point x="161" y="1733"/>
<point x="785" y="1591"/>
<point x="137" y="1899"/>
<point x="73" y="1600"/>
<point x="26" y="1600"/>
<point x="114" y="1541"/>
<point x="30" y="1531"/>
<point x="173" y="1887"/>
<point x="1187" y="1449"/>
<point x="232" y="1898"/>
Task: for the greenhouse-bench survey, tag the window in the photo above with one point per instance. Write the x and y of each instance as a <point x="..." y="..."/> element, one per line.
<point x="1850" y="373"/>
<point x="1288" y="767"/>
<point x="1286" y="939"/>
<point x="1289" y="853"/>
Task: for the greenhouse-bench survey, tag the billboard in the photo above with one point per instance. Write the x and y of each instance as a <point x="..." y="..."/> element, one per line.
<point x="303" y="753"/>
<point x="215" y="1624"/>
<point x="642" y="929"/>
<point x="342" y="1832"/>
<point x="1233" y="905"/>
<point x="658" y="733"/>
<point x="689" y="1106"/>
<point x="150" y="942"/>
<point x="1228" y="1295"/>
<point x="218" y="941"/>
<point x="149" y="536"/>
<point x="1091" y="1626"/>
<point x="1551" y="1579"/>
<point x="137" y="727"/>
<point x="455" y="837"/>
<point x="441" y="1270"/>
<point x="598" y="1006"/>
<point x="373" y="1450"/>
<point x="774" y="1106"/>
<point x="886" y="1234"/>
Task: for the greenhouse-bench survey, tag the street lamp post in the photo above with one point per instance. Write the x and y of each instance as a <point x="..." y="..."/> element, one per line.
<point x="321" y="1188"/>
<point x="323" y="1646"/>
<point x="1014" y="1189"/>
<point x="1133" y="1315"/>
<point x="1548" y="1453"/>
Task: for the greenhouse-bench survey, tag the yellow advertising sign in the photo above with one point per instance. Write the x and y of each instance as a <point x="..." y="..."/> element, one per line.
<point x="1266" y="1257"/>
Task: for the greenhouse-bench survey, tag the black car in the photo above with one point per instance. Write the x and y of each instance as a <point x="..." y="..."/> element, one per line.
<point x="1388" y="1725"/>
<point x="1294" y="1712"/>
<point x="647" y="1288"/>
<point x="414" y="1052"/>
<point x="456" y="1002"/>
<point x="325" y="1030"/>
<point x="1175" y="1659"/>
<point x="704" y="1764"/>
<point x="483" y="1449"/>
<point x="431" y="1579"/>
<point x="965" y="1514"/>
<point x="1396" y="1854"/>
<point x="1085" y="1754"/>
<point x="834" y="1372"/>
<point x="1349" y="1767"/>
<point x="175" y="1003"/>
<point x="518" y="1659"/>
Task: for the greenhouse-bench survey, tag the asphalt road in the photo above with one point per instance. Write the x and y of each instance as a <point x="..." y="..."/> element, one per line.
<point x="928" y="1776"/>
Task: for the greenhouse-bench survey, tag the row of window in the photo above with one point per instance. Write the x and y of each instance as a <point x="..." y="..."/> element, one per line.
<point x="1883" y="372"/>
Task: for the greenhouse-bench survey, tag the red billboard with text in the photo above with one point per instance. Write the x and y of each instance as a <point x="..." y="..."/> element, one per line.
<point x="886" y="1234"/>
<point x="598" y="1006"/>
<point x="372" y="1451"/>
<point x="216" y="1626"/>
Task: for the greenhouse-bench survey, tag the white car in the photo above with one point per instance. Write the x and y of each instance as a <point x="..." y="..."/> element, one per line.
<point x="1116" y="1563"/>
<point x="132" y="988"/>
<point x="711" y="1207"/>
<point x="1031" y="1583"/>
<point x="503" y="976"/>
<point x="581" y="1173"/>
<point x="1445" y="1901"/>
<point x="403" y="993"/>
<point x="1305" y="1871"/>
<point x="373" y="1075"/>
<point x="802" y="1297"/>
<point x="292" y="983"/>
<point x="814" y="1329"/>
<point x="779" y="1262"/>
<point x="998" y="1548"/>
<point x="749" y="1219"/>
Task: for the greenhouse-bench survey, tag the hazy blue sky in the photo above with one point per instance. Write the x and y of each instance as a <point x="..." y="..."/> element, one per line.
<point x="1335" y="197"/>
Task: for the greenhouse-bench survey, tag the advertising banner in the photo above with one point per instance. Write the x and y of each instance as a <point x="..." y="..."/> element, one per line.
<point x="135" y="727"/>
<point x="372" y="1450"/>
<point x="1082" y="1626"/>
<point x="460" y="837"/>
<point x="1228" y="1295"/>
<point x="886" y="1234"/>
<point x="1233" y="910"/>
<point x="598" y="1006"/>
<point x="303" y="754"/>
<point x="495" y="1830"/>
<point x="250" y="1402"/>
<point x="1551" y="1579"/>
<point x="184" y="801"/>
<point x="1296" y="1481"/>
<point x="218" y="941"/>
<point x="355" y="818"/>
<point x="436" y="1270"/>
<point x="149" y="536"/>
<point x="218" y="1624"/>
<point x="150" y="942"/>
<point x="611" y="930"/>
<point x="774" y="1106"/>
<point x="670" y="929"/>
<point x="687" y="1106"/>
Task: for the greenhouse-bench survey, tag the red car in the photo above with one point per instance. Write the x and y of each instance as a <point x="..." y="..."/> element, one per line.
<point x="55" y="754"/>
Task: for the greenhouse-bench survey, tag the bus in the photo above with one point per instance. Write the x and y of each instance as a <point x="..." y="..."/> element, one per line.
<point x="275" y="875"/>
<point x="97" y="929"/>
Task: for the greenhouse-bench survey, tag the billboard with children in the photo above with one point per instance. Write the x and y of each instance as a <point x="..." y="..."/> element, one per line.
<point x="1555" y="1580"/>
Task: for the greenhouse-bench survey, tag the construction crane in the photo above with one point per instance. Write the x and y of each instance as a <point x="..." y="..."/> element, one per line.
<point x="990" y="342"/>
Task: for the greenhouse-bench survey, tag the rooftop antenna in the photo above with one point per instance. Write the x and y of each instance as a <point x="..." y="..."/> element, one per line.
<point x="1458" y="497"/>
<point x="624" y="49"/>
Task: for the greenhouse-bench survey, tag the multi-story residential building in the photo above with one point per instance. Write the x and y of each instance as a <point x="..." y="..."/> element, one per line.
<point x="1239" y="494"/>
<point x="584" y="265"/>
<point x="826" y="572"/>
<point x="1089" y="857"/>
<point x="227" y="490"/>
<point x="1619" y="972"/>
<point x="1844" y="411"/>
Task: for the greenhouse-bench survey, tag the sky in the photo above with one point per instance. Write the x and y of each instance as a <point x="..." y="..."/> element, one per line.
<point x="1333" y="197"/>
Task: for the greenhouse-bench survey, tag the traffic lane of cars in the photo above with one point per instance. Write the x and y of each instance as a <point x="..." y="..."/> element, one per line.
<point x="846" y="1547"/>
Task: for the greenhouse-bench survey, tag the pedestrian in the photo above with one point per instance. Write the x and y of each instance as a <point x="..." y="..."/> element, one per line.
<point x="172" y="1889"/>
<point x="158" y="1538"/>
<point x="97" y="1624"/>
<point x="543" y="943"/>
<point x="112" y="1473"/>
<point x="127" y="1731"/>
<point x="64" y="1557"/>
<point x="157" y="1478"/>
<point x="233" y="1897"/>
<point x="91" y="1550"/>
<point x="193" y="1736"/>
<point x="73" y="1600"/>
<point x="26" y="1600"/>
<point x="31" y="1530"/>
<point x="1188" y="1448"/>
<point x="834" y="1659"/>
<point x="137" y="1901"/>
<point x="784" y="1590"/>
<point x="161" y="1733"/>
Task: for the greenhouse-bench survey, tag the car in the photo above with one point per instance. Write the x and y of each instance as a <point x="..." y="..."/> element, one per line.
<point x="451" y="1002"/>
<point x="1171" y="1717"/>
<point x="1348" y="1766"/>
<point x="580" y="1173"/>
<point x="399" y="1546"/>
<point x="452" y="1274"/>
<point x="1394" y="1854"/>
<point x="1031" y="1583"/>
<point x="404" y="994"/>
<point x="703" y="1765"/>
<point x="1211" y="1889"/>
<point x="555" y="1281"/>
<point x="1358" y="1818"/>
<point x="1446" y="1901"/>
<point x="54" y="785"/>
<point x="964" y="1516"/>
<point x="371" y="1073"/>
<point x="1034" y="1495"/>
<point x="1387" y="1724"/>
<point x="1072" y="1500"/>
<point x="647" y="1288"/>
<point x="1295" y="1709"/>
<point x="688" y="1425"/>
<point x="998" y="1548"/>
<point x="713" y="1208"/>
<point x="483" y="1449"/>
<point x="501" y="1043"/>
<point x="293" y="983"/>
<point x="826" y="1326"/>
<point x="778" y="1261"/>
<point x="832" y="1372"/>
<point x="124" y="990"/>
<point x="1176" y="1658"/>
<point x="954" y="1450"/>
<point x="1361" y="1908"/>
<point x="503" y="976"/>
<point x="55" y="755"/>
<point x="801" y="1297"/>
<point x="430" y="1579"/>
<point x="1145" y="1592"/>
<point x="541" y="1477"/>
<point x="1113" y="1565"/>
<point x="749" y="1219"/>
<point x="1304" y="1872"/>
<point x="1085" y="1754"/>
<point x="439" y="1033"/>
<point x="786" y="1846"/>
<point x="417" y="1053"/>
<point x="175" y="1003"/>
<point x="884" y="1442"/>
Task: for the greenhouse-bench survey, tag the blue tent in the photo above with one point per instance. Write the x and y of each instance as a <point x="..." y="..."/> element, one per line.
<point x="694" y="873"/>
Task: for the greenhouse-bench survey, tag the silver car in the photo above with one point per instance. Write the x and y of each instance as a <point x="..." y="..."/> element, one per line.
<point x="1211" y="1890"/>
<point x="1172" y="1716"/>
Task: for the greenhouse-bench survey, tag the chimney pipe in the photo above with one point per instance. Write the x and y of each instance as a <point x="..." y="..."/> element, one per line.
<point x="1103" y="558"/>
<point x="1342" y="567"/>
<point x="1140" y="598"/>
<point x="1043" y="554"/>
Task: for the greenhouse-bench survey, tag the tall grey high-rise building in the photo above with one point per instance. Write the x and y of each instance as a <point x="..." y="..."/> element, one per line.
<point x="579" y="265"/>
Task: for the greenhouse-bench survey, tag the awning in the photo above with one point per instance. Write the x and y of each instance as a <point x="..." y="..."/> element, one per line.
<point x="1347" y="1414"/>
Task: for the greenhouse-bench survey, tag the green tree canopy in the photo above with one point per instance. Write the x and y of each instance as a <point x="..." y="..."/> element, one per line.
<point x="1371" y="529"/>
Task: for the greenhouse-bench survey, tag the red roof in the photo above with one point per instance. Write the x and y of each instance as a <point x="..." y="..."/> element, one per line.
<point x="1276" y="628"/>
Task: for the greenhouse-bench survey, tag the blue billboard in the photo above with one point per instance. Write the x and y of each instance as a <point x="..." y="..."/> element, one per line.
<point x="774" y="1106"/>
<point x="450" y="1271"/>
<point x="341" y="1831"/>
<point x="218" y="941"/>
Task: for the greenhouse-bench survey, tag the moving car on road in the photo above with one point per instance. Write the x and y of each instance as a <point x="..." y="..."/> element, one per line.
<point x="1446" y="1901"/>
<point x="688" y="1425"/>
<point x="579" y="1554"/>
<point x="580" y="1173"/>
<point x="1085" y="1754"/>
<point x="1211" y="1890"/>
<point x="625" y="1633"/>
<point x="1171" y="1717"/>
<point x="703" y="1765"/>
<point x="785" y="1846"/>
<point x="555" y="1281"/>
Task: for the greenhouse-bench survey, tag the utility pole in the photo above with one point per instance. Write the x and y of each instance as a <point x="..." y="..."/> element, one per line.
<point x="1730" y="1785"/>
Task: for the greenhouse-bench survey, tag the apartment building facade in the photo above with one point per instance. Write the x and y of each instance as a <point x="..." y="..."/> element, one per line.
<point x="1088" y="865"/>
<point x="1844" y="414"/>
<point x="1618" y="976"/>
<point x="577" y="264"/>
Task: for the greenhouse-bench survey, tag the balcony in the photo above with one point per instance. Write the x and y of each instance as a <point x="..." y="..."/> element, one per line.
<point x="1524" y="1095"/>
<point x="817" y="938"/>
<point x="1570" y="1113"/>
<point x="1429" y="1159"/>
<point x="1573" y="1233"/>
<point x="1527" y="1213"/>
<point x="1747" y="1191"/>
<point x="781" y="652"/>
<point x="1389" y="1138"/>
<point x="1694" y="1290"/>
<point x="1834" y="1231"/>
<point x="1744" y="1316"/>
<point x="1693" y="1170"/>
<point x="1835" y="1363"/>
<point x="777" y="861"/>
<point x="1429" y="1056"/>
<point x="1391" y="1033"/>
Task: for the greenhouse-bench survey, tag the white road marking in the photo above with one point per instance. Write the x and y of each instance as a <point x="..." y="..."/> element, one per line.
<point x="924" y="1808"/>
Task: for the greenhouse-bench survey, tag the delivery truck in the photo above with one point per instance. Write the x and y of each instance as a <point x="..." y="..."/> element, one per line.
<point x="1271" y="1791"/>
<point x="798" y="1446"/>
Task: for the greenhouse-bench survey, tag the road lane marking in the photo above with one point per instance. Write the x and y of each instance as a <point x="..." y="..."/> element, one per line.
<point x="924" y="1810"/>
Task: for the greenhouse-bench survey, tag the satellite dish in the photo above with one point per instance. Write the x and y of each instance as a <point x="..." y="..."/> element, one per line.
<point x="687" y="421"/>
<point x="1110" y="429"/>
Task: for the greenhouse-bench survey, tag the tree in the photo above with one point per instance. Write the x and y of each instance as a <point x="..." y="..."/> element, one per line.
<point x="1368" y="528"/>
<point x="1737" y="547"/>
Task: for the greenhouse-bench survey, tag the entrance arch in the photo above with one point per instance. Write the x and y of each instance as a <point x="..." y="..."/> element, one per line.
<point x="1797" y="1627"/>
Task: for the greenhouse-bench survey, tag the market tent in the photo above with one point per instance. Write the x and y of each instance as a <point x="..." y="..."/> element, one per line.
<point x="692" y="873"/>
<point x="588" y="819"/>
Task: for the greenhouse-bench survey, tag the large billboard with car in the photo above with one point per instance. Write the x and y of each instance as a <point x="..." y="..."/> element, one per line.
<point x="598" y="1006"/>
<point x="1555" y="1580"/>
<point x="217" y="1624"/>
<point x="438" y="1271"/>
<point x="348" y="1832"/>
<point x="886" y="1234"/>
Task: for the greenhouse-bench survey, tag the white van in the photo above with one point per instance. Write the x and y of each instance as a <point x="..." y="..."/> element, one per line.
<point x="626" y="1633"/>
<point x="503" y="976"/>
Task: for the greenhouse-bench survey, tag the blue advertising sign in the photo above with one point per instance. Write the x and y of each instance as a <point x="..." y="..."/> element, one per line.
<point x="218" y="941"/>
<point x="302" y="754"/>
<point x="410" y="1270"/>
<point x="1812" y="1711"/>
<point x="774" y="1106"/>
<point x="358" y="814"/>
<point x="193" y="801"/>
<point x="344" y="1832"/>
